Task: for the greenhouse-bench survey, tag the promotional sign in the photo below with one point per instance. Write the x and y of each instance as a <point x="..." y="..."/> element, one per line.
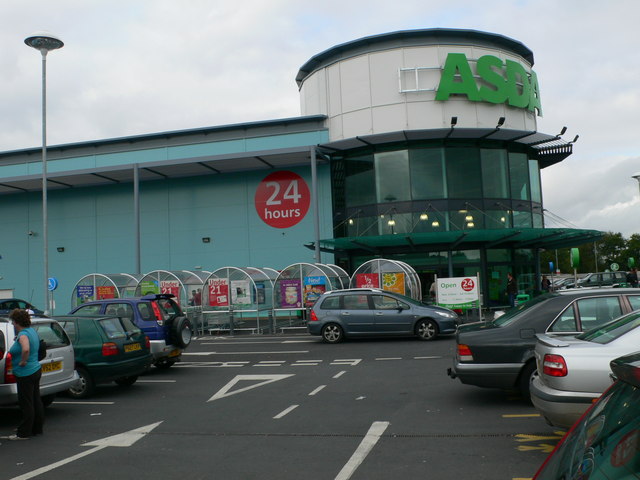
<point x="172" y="287"/>
<point x="313" y="288"/>
<point x="261" y="295"/>
<point x="367" y="280"/>
<point x="149" y="287"/>
<point x="393" y="282"/>
<point x="575" y="258"/>
<point x="240" y="293"/>
<point x="106" y="292"/>
<point x="282" y="199"/>
<point x="218" y="292"/>
<point x="290" y="293"/>
<point x="84" y="293"/>
<point x="459" y="293"/>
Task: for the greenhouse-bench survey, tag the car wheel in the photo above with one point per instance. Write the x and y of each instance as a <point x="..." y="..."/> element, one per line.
<point x="48" y="400"/>
<point x="181" y="332"/>
<point x="526" y="376"/>
<point x="84" y="387"/>
<point x="332" y="333"/>
<point x="426" y="329"/>
<point x="164" y="363"/>
<point x="127" y="381"/>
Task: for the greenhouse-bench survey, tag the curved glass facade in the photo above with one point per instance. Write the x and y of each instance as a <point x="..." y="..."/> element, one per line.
<point x="435" y="189"/>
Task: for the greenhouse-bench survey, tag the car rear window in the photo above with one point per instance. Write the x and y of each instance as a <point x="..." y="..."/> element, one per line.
<point x="331" y="303"/>
<point x="612" y="330"/>
<point x="168" y="307"/>
<point x="52" y="334"/>
<point x="634" y="300"/>
<point x="514" y="313"/>
<point x="88" y="310"/>
<point x="112" y="328"/>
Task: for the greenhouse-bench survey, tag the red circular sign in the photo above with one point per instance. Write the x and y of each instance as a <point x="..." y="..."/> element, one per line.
<point x="282" y="199"/>
<point x="467" y="284"/>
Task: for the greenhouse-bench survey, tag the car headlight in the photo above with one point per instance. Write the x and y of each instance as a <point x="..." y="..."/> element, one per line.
<point x="445" y="314"/>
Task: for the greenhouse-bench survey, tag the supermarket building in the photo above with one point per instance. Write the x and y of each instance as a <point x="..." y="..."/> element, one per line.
<point x="420" y="146"/>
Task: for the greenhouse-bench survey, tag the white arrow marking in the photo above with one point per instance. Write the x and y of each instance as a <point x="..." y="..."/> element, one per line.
<point x="367" y="444"/>
<point x="125" y="439"/>
<point x="263" y="380"/>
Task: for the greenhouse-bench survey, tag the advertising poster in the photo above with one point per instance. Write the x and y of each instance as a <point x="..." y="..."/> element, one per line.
<point x="393" y="282"/>
<point x="459" y="293"/>
<point x="218" y="292"/>
<point x="106" y="292"/>
<point x="172" y="287"/>
<point x="149" y="287"/>
<point x="368" y="280"/>
<point x="313" y="288"/>
<point x="240" y="293"/>
<point x="84" y="293"/>
<point x="290" y="293"/>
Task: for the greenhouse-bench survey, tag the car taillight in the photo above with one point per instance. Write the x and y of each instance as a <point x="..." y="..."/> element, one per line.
<point x="109" y="348"/>
<point x="464" y="352"/>
<point x="313" y="317"/>
<point x="9" y="377"/>
<point x="147" y="342"/>
<point x="157" y="313"/>
<point x="554" y="366"/>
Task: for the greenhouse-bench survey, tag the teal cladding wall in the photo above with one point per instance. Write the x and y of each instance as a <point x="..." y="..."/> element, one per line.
<point x="95" y="227"/>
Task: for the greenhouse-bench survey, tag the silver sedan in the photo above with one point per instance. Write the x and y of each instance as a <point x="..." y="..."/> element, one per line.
<point x="574" y="371"/>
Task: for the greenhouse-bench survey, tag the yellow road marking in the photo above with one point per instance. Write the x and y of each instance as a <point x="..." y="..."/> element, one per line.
<point x="543" y="447"/>
<point x="522" y="415"/>
<point x="525" y="437"/>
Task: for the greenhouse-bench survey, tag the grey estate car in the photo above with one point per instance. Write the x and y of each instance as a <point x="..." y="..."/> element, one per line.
<point x="364" y="312"/>
<point x="58" y="373"/>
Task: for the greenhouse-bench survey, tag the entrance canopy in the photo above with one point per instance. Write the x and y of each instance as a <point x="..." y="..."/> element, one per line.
<point x="547" y="238"/>
<point x="299" y="285"/>
<point x="243" y="289"/>
<point x="390" y="275"/>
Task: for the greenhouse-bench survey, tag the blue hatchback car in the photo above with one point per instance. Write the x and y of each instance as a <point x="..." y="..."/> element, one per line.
<point x="157" y="315"/>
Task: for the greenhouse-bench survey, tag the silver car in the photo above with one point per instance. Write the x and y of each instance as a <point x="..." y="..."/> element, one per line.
<point x="574" y="371"/>
<point x="58" y="373"/>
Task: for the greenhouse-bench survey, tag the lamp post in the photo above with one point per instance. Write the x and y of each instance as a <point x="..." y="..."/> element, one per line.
<point x="637" y="177"/>
<point x="44" y="41"/>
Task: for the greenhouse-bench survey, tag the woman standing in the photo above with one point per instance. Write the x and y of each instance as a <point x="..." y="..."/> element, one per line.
<point x="26" y="368"/>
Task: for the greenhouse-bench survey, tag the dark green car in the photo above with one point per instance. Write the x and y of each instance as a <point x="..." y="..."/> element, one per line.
<point x="107" y="349"/>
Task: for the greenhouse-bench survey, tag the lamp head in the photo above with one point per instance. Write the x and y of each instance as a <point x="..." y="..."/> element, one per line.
<point x="44" y="41"/>
<point x="636" y="176"/>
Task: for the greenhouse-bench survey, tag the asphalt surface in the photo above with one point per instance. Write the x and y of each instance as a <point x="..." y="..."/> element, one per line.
<point x="288" y="408"/>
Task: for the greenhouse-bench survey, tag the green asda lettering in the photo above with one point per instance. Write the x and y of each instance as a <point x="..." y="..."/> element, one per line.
<point x="500" y="82"/>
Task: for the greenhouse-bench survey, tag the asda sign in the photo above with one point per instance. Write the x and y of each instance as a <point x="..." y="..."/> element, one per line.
<point x="496" y="82"/>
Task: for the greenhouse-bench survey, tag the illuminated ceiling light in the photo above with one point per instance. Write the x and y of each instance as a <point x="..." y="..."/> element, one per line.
<point x="351" y="221"/>
<point x="470" y="224"/>
<point x="463" y="211"/>
<point x="469" y="218"/>
<point x="503" y="219"/>
<point x="435" y="223"/>
<point x="391" y="222"/>
<point x="424" y="216"/>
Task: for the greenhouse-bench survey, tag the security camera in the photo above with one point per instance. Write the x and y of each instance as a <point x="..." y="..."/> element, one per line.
<point x="30" y="233"/>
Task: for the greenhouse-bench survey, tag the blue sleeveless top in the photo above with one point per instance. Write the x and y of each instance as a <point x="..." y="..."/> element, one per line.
<point x="33" y="365"/>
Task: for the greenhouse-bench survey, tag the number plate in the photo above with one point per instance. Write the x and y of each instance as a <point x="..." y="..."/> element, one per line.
<point x="174" y="353"/>
<point x="132" y="347"/>
<point x="51" y="367"/>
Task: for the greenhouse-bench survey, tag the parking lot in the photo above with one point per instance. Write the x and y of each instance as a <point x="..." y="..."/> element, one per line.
<point x="289" y="407"/>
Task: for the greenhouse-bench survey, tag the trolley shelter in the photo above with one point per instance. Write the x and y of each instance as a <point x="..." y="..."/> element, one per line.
<point x="98" y="286"/>
<point x="390" y="275"/>
<point x="237" y="298"/>
<point x="186" y="286"/>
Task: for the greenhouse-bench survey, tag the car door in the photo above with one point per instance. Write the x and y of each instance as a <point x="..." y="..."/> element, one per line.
<point x="391" y="315"/>
<point x="356" y="314"/>
<point x="58" y="365"/>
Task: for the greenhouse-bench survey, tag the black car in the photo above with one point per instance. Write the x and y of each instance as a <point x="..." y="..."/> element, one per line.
<point x="603" y="444"/>
<point x="500" y="353"/>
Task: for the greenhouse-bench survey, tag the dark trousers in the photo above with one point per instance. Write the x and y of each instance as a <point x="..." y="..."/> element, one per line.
<point x="30" y="405"/>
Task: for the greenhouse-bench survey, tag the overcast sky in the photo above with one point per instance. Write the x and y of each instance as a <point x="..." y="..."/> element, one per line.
<point x="132" y="67"/>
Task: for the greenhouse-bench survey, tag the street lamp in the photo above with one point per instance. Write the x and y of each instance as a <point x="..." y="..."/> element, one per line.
<point x="637" y="177"/>
<point x="44" y="41"/>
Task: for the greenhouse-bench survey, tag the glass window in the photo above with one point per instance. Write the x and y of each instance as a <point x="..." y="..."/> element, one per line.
<point x="498" y="255"/>
<point x="356" y="302"/>
<point x="463" y="173"/>
<point x="52" y="334"/>
<point x="612" y="330"/>
<point x="598" y="310"/>
<point x="522" y="219"/>
<point x="331" y="303"/>
<point x="146" y="311"/>
<point x="88" y="310"/>
<point x="360" y="181"/>
<point x="392" y="176"/>
<point x="498" y="219"/>
<point x="120" y="310"/>
<point x="534" y="177"/>
<point x="634" y="300"/>
<point x="383" y="302"/>
<point x="537" y="221"/>
<point x="112" y="328"/>
<point x="70" y="327"/>
<point x="495" y="175"/>
<point x="427" y="173"/>
<point x="566" y="322"/>
<point x="519" y="172"/>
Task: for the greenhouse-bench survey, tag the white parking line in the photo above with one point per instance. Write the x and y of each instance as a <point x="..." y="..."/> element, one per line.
<point x="426" y="358"/>
<point x="365" y="447"/>
<point x="306" y="363"/>
<point x="339" y="374"/>
<point x="244" y="353"/>
<point x="347" y="361"/>
<point x="389" y="358"/>
<point x="317" y="390"/>
<point x="82" y="403"/>
<point x="156" y="381"/>
<point x="285" y="411"/>
<point x="270" y="363"/>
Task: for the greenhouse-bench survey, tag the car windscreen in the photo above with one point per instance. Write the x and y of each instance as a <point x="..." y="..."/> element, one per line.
<point x="603" y="445"/>
<point x="514" y="313"/>
<point x="52" y="334"/>
<point x="612" y="330"/>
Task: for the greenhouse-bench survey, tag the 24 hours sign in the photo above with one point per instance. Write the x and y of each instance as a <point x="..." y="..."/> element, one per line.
<point x="282" y="199"/>
<point x="459" y="293"/>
